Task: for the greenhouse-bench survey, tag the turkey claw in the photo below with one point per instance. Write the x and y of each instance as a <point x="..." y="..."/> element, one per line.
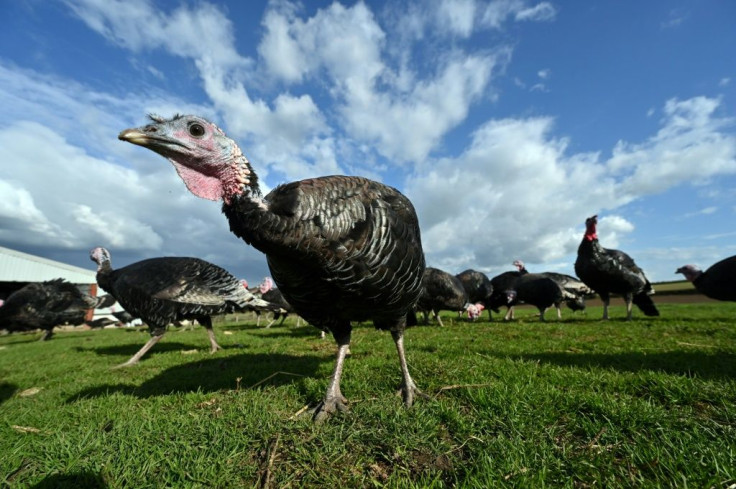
<point x="410" y="393"/>
<point x="328" y="406"/>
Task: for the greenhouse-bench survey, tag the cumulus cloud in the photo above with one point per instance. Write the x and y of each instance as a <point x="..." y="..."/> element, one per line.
<point x="404" y="115"/>
<point x="204" y="34"/>
<point x="59" y="196"/>
<point x="517" y="193"/>
<point x="341" y="89"/>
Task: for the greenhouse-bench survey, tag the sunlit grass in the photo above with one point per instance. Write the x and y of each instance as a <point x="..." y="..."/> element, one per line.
<point x="576" y="403"/>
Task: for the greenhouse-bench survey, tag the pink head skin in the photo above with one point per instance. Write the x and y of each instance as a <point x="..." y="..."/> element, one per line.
<point x="244" y="283"/>
<point x="510" y="296"/>
<point x="691" y="272"/>
<point x="100" y="256"/>
<point x="590" y="228"/>
<point x="211" y="164"/>
<point x="474" y="310"/>
<point x="519" y="265"/>
<point x="266" y="285"/>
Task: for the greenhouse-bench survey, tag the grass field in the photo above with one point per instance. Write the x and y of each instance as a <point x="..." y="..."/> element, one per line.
<point x="577" y="403"/>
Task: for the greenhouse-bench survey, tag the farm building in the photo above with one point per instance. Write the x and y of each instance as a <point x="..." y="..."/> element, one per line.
<point x="18" y="269"/>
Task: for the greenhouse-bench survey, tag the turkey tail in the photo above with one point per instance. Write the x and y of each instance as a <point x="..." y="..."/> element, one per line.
<point x="644" y="302"/>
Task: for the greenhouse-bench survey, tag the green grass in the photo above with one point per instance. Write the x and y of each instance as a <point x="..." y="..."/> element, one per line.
<point x="682" y="286"/>
<point x="577" y="403"/>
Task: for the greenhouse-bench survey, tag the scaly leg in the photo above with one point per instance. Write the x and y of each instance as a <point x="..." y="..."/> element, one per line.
<point x="206" y="322"/>
<point x="509" y="313"/>
<point x="605" y="300"/>
<point x="541" y="314"/>
<point x="334" y="400"/>
<point x="47" y="334"/>
<point x="438" y="318"/>
<point x="408" y="388"/>
<point x="134" y="359"/>
<point x="629" y="298"/>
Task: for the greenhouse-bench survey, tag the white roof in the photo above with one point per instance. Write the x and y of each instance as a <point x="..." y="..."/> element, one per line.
<point x="16" y="266"/>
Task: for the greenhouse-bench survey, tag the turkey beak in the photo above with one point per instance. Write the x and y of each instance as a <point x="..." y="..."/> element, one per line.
<point x="135" y="136"/>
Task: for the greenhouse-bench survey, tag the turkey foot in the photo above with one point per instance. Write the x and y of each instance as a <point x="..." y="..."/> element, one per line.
<point x="409" y="392"/>
<point x="328" y="406"/>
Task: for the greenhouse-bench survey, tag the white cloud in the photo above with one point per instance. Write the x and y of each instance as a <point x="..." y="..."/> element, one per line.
<point x="457" y="15"/>
<point x="408" y="126"/>
<point x="543" y="11"/>
<point x="204" y="34"/>
<point x="403" y="115"/>
<point x="55" y="195"/>
<point x="497" y="11"/>
<point x="516" y="193"/>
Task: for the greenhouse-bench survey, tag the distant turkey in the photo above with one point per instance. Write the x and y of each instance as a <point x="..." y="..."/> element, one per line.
<point x="441" y="291"/>
<point x="267" y="292"/>
<point x="717" y="282"/>
<point x="478" y="286"/>
<point x="575" y="291"/>
<point x="169" y="289"/>
<point x="500" y="284"/>
<point x="474" y="310"/>
<point x="538" y="290"/>
<point x="612" y="272"/>
<point x="43" y="305"/>
<point x="339" y="248"/>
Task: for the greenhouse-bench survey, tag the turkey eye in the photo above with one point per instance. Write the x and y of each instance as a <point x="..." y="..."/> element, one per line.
<point x="196" y="130"/>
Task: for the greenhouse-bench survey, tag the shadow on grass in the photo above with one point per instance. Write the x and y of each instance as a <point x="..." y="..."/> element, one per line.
<point x="216" y="374"/>
<point x="717" y="365"/>
<point x="276" y="332"/>
<point x="86" y="480"/>
<point x="161" y="347"/>
<point x="6" y="391"/>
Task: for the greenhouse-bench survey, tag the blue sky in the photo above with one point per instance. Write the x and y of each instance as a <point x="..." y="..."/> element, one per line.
<point x="506" y="122"/>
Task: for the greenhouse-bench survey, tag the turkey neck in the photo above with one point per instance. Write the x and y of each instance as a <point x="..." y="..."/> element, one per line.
<point x="104" y="271"/>
<point x="250" y="217"/>
<point x="590" y="246"/>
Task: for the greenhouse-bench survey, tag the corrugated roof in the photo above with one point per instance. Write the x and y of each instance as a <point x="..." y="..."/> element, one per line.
<point x="16" y="266"/>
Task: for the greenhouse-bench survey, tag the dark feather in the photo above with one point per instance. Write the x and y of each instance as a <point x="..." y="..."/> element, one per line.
<point x="43" y="305"/>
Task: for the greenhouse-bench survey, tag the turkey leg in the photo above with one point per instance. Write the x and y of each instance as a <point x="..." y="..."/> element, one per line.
<point x="334" y="400"/>
<point x="408" y="388"/>
<point x="135" y="358"/>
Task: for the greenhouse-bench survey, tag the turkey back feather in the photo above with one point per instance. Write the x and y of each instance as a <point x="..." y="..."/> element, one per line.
<point x="346" y="241"/>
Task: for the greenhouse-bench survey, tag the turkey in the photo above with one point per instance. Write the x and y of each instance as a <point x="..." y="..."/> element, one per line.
<point x="169" y="289"/>
<point x="441" y="291"/>
<point x="43" y="305"/>
<point x="717" y="282"/>
<point x="267" y="292"/>
<point x="479" y="288"/>
<point x="612" y="272"/>
<point x="339" y="248"/>
<point x="538" y="290"/>
<point x="500" y="284"/>
<point x="575" y="291"/>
